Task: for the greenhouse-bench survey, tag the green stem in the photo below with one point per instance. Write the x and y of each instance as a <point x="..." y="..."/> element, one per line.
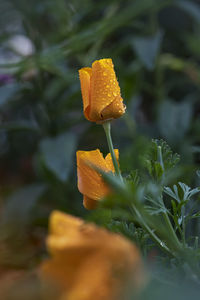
<point x="171" y="230"/>
<point x="165" y="215"/>
<point x="107" y="130"/>
<point x="160" y="159"/>
<point x="183" y="225"/>
<point x="154" y="237"/>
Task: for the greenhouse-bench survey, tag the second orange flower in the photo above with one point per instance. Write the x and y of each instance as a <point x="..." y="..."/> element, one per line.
<point x="90" y="182"/>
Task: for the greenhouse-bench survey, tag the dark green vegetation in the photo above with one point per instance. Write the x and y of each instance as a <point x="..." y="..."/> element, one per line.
<point x="155" y="47"/>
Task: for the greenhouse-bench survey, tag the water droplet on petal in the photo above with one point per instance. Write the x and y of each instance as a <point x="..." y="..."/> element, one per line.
<point x="114" y="94"/>
<point x="109" y="95"/>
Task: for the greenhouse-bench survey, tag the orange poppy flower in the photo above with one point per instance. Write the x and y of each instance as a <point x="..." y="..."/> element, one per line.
<point x="90" y="182"/>
<point x="88" y="262"/>
<point x="101" y="92"/>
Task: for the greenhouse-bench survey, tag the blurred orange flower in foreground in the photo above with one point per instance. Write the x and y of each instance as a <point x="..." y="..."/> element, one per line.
<point x="88" y="262"/>
<point x="101" y="92"/>
<point x="90" y="182"/>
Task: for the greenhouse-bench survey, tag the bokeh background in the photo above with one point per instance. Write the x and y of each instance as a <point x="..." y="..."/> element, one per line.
<point x="155" y="47"/>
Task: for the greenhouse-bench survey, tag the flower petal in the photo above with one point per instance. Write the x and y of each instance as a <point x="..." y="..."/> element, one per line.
<point x="115" y="109"/>
<point x="109" y="161"/>
<point x="104" y="90"/>
<point x="66" y="236"/>
<point x="85" y="79"/>
<point x="90" y="182"/>
<point x="110" y="263"/>
<point x="60" y="225"/>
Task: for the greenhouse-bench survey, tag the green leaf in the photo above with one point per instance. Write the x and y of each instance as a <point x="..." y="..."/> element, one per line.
<point x="168" y="160"/>
<point x="133" y="178"/>
<point x="190" y="8"/>
<point x="158" y="169"/>
<point x="147" y="49"/>
<point x="196" y="215"/>
<point x="172" y="194"/>
<point x="58" y="154"/>
<point x="183" y="194"/>
<point x="100" y="216"/>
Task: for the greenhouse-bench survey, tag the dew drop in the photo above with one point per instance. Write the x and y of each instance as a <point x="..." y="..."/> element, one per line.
<point x="109" y="95"/>
<point x="104" y="73"/>
<point x="114" y="94"/>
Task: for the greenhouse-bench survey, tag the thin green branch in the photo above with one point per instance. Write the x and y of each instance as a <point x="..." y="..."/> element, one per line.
<point x="107" y="129"/>
<point x="154" y="237"/>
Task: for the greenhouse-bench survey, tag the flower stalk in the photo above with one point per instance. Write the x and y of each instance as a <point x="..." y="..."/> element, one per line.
<point x="107" y="129"/>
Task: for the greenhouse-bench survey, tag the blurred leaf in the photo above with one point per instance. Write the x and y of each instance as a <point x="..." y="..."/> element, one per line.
<point x="20" y="125"/>
<point x="133" y="178"/>
<point x="147" y="49"/>
<point x="174" y="119"/>
<point x="100" y="216"/>
<point x="192" y="42"/>
<point x="19" y="205"/>
<point x="17" y="248"/>
<point x="58" y="154"/>
<point x="6" y="92"/>
<point x="170" y="159"/>
<point x="191" y="8"/>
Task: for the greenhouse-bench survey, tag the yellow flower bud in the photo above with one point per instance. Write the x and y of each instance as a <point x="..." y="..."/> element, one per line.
<point x="101" y="92"/>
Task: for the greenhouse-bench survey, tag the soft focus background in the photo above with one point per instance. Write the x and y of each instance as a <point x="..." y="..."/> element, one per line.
<point x="155" y="47"/>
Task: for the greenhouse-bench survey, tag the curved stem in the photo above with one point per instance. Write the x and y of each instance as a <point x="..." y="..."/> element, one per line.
<point x="154" y="237"/>
<point x="107" y="130"/>
<point x="171" y="230"/>
<point x="165" y="215"/>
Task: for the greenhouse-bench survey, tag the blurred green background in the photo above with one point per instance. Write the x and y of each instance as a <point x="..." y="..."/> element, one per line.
<point x="155" y="47"/>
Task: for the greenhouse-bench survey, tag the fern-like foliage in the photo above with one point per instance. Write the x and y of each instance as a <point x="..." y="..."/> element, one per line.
<point x="160" y="159"/>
